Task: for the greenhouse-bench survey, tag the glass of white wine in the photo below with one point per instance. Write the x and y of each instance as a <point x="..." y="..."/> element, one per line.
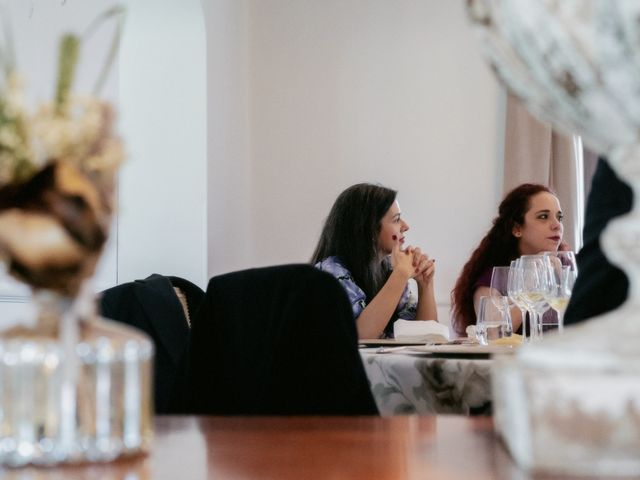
<point x="533" y="290"/>
<point x="561" y="274"/>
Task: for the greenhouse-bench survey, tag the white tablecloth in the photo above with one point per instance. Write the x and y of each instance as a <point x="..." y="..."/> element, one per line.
<point x="423" y="384"/>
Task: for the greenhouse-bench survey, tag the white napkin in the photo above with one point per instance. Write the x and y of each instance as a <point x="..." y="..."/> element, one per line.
<point x="427" y="331"/>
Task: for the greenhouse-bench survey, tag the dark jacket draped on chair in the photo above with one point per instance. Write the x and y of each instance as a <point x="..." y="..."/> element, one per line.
<point x="153" y="306"/>
<point x="276" y="341"/>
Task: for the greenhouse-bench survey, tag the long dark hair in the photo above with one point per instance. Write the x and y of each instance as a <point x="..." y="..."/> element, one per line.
<point x="351" y="232"/>
<point x="497" y="248"/>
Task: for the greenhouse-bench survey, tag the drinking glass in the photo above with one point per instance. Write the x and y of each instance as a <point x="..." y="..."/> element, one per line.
<point x="499" y="281"/>
<point x="514" y="290"/>
<point x="533" y="290"/>
<point x="500" y="288"/>
<point x="561" y="274"/>
<point x="494" y="321"/>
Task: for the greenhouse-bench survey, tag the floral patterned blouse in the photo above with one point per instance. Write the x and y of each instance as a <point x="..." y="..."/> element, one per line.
<point x="406" y="307"/>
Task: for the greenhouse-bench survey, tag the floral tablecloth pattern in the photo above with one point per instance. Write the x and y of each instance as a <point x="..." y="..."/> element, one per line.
<point x="404" y="384"/>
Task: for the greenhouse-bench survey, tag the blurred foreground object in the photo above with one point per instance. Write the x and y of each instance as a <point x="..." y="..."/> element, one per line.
<point x="74" y="387"/>
<point x="571" y="404"/>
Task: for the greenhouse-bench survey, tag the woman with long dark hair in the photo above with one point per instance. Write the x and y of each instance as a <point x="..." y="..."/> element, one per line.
<point x="361" y="244"/>
<point x="529" y="221"/>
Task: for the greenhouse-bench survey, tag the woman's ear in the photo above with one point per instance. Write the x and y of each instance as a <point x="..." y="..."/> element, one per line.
<point x="516" y="231"/>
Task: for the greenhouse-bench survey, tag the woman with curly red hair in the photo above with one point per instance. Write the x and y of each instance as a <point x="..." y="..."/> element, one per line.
<point x="529" y="221"/>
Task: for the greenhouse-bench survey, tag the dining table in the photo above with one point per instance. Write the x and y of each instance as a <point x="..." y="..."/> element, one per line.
<point x="443" y="447"/>
<point x="429" y="380"/>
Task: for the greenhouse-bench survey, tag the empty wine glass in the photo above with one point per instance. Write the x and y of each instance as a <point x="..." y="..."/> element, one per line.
<point x="498" y="286"/>
<point x="514" y="290"/>
<point x="499" y="281"/>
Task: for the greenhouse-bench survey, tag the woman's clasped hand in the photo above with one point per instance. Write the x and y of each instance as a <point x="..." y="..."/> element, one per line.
<point x="413" y="263"/>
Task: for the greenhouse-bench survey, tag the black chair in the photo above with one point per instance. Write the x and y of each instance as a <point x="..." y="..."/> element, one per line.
<point x="153" y="306"/>
<point x="276" y="341"/>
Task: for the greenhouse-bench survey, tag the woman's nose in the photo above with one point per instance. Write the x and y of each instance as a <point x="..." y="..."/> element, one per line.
<point x="405" y="226"/>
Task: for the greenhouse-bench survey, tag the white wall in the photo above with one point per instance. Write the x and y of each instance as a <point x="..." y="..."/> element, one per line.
<point x="162" y="196"/>
<point x="343" y="91"/>
<point x="240" y="141"/>
<point x="229" y="176"/>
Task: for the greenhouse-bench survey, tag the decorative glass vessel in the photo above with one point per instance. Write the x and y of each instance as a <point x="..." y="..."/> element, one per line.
<point x="73" y="389"/>
<point x="571" y="404"/>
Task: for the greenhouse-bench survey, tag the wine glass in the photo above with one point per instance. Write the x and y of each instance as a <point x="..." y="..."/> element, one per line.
<point x="533" y="290"/>
<point x="514" y="290"/>
<point x="498" y="286"/>
<point x="499" y="280"/>
<point x="562" y="272"/>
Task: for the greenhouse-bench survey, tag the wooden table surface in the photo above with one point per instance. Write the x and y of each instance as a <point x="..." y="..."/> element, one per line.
<point x="403" y="447"/>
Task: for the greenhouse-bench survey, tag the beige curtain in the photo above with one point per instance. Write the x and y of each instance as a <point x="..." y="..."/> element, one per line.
<point x="535" y="153"/>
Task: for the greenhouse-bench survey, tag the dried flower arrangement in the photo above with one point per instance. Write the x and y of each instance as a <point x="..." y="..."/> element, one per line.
<point x="57" y="173"/>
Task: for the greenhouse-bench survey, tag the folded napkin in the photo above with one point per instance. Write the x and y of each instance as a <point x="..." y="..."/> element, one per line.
<point x="427" y="331"/>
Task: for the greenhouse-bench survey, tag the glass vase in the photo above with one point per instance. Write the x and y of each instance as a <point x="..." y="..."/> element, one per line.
<point x="73" y="387"/>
